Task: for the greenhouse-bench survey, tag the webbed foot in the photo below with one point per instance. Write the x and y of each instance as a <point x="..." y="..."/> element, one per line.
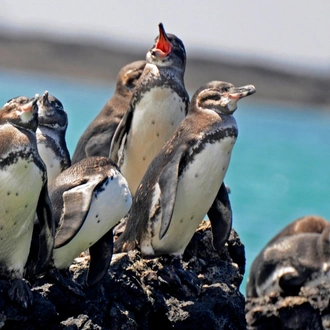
<point x="174" y="276"/>
<point x="65" y="282"/>
<point x="20" y="292"/>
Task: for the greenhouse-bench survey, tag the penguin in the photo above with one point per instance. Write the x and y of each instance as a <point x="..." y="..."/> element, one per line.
<point x="305" y="224"/>
<point x="297" y="256"/>
<point x="184" y="182"/>
<point x="52" y="125"/>
<point x="89" y="199"/>
<point x="23" y="194"/>
<point x="158" y="105"/>
<point x="96" y="139"/>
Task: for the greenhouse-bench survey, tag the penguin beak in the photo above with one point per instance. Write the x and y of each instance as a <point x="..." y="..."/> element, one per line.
<point x="30" y="105"/>
<point x="163" y="45"/>
<point x="229" y="100"/>
<point x="45" y="98"/>
<point x="239" y="92"/>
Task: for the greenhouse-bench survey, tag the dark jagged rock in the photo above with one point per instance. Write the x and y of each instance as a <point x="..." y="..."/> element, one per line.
<point x="201" y="293"/>
<point x="309" y="310"/>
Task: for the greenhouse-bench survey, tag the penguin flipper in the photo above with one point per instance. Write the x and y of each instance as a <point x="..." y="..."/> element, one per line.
<point x="100" y="258"/>
<point x="220" y="216"/>
<point x="42" y="241"/>
<point x="168" y="184"/>
<point x="76" y="204"/>
<point x="44" y="232"/>
<point x="99" y="144"/>
<point x="119" y="138"/>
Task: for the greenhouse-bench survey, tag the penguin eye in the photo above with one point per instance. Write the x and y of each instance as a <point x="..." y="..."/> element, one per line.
<point x="178" y="48"/>
<point x="225" y="89"/>
<point x="57" y="105"/>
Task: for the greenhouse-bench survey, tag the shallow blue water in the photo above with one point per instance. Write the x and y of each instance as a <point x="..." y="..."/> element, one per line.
<point x="279" y="168"/>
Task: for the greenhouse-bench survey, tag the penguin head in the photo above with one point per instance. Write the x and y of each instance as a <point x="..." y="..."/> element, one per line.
<point x="51" y="112"/>
<point x="128" y="77"/>
<point x="221" y="96"/>
<point x="168" y="50"/>
<point x="21" y="111"/>
<point x="18" y="99"/>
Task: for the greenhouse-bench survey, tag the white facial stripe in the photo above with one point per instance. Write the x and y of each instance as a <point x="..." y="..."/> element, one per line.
<point x="42" y="109"/>
<point x="229" y="103"/>
<point x="25" y="116"/>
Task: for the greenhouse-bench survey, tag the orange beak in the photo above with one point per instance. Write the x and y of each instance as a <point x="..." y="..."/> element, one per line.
<point x="29" y="106"/>
<point x="163" y="44"/>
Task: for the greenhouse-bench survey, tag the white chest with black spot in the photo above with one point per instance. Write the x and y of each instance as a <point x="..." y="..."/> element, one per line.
<point x="155" y="119"/>
<point x="196" y="191"/>
<point x="49" y="156"/>
<point x="21" y="184"/>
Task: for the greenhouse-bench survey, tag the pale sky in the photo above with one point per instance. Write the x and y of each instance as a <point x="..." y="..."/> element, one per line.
<point x="293" y="32"/>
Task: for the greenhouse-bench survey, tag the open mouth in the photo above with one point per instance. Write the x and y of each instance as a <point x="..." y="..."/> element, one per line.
<point x="163" y="46"/>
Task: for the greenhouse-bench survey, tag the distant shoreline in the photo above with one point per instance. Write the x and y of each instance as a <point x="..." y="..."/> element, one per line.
<point x="101" y="64"/>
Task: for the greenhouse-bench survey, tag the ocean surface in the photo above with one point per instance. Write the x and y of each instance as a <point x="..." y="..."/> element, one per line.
<point x="279" y="169"/>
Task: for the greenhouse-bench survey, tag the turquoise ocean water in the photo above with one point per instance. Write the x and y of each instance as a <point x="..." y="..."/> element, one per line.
<point x="279" y="169"/>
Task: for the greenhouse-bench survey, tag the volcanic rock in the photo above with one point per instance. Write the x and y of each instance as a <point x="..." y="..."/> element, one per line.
<point x="201" y="292"/>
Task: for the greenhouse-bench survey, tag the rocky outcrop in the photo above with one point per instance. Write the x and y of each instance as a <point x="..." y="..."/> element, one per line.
<point x="202" y="292"/>
<point x="309" y="310"/>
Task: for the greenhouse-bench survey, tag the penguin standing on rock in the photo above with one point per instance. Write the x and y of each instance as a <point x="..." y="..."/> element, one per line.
<point x="52" y="125"/>
<point x="184" y="182"/>
<point x="96" y="139"/>
<point x="23" y="181"/>
<point x="88" y="200"/>
<point x="158" y="105"/>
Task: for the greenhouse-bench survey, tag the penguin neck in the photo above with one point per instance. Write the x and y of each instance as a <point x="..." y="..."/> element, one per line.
<point x="31" y="129"/>
<point x="212" y="117"/>
<point x="169" y="72"/>
<point x="47" y="132"/>
<point x="30" y="133"/>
